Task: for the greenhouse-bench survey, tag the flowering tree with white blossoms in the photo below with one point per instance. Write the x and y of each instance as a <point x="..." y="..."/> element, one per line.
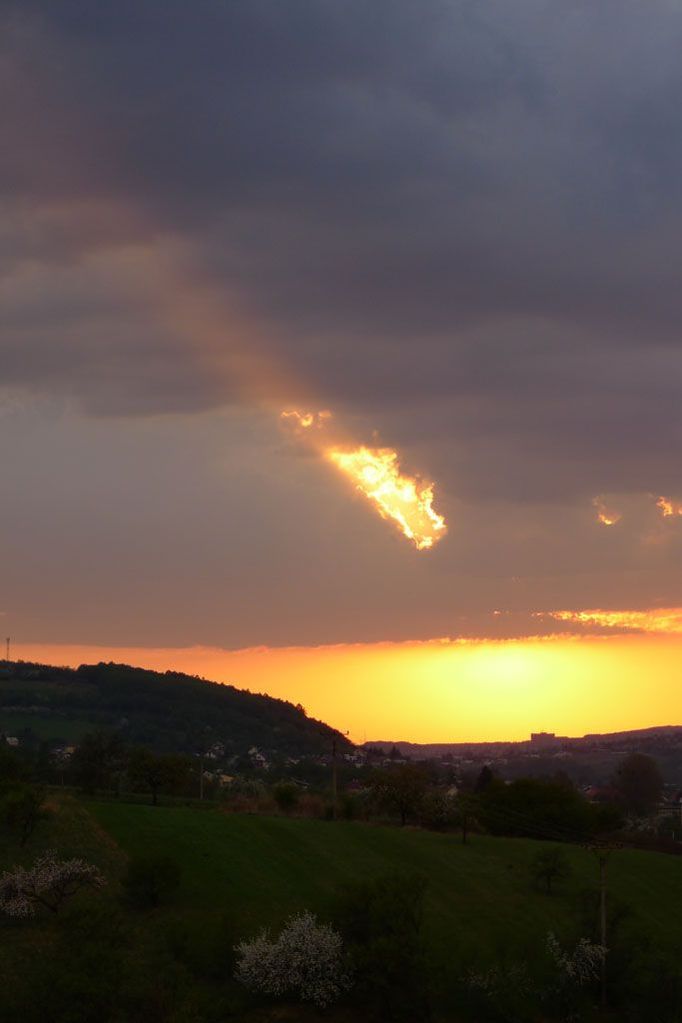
<point x="48" y="883"/>
<point x="305" y="960"/>
<point x="581" y="966"/>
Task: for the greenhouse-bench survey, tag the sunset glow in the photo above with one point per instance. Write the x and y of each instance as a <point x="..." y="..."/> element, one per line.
<point x="442" y="690"/>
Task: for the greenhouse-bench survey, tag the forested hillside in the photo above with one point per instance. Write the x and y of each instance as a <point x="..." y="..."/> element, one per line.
<point x="167" y="712"/>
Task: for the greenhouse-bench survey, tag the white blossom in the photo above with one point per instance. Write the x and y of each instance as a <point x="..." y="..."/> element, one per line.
<point x="306" y="960"/>
<point x="580" y="966"/>
<point x="47" y="883"/>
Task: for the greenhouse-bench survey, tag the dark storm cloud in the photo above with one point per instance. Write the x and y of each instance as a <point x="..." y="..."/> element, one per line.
<point x="459" y="220"/>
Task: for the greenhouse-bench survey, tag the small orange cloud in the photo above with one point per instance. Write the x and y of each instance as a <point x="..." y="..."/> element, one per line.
<point x="300" y="423"/>
<point x="606" y="515"/>
<point x="668" y="508"/>
<point x="664" y="621"/>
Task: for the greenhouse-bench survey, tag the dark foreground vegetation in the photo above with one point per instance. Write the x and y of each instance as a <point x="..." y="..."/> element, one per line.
<point x="180" y="852"/>
<point x="408" y="898"/>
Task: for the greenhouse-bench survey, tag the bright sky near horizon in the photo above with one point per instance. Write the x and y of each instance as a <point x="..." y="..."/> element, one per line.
<point x="445" y="239"/>
<point x="441" y="691"/>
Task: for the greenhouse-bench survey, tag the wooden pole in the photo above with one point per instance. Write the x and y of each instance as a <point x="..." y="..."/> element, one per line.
<point x="602" y="915"/>
<point x="335" y="788"/>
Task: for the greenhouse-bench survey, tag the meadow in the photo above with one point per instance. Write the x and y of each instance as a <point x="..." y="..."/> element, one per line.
<point x="479" y="897"/>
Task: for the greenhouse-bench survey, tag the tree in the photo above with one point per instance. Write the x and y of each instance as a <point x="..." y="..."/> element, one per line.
<point x="401" y="789"/>
<point x="381" y="923"/>
<point x="465" y="813"/>
<point x="150" y="772"/>
<point x="98" y="761"/>
<point x="640" y="784"/>
<point x="48" y="883"/>
<point x="550" y="865"/>
<point x="286" y="796"/>
<point x="539" y="809"/>
<point x="21" y="809"/>
<point x="485" y="779"/>
<point x="305" y="960"/>
<point x="437" y="810"/>
<point x="11" y="767"/>
<point x="150" y="878"/>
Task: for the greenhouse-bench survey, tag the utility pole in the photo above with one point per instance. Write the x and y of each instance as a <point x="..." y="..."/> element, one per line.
<point x="603" y="860"/>
<point x="201" y="776"/>
<point x="335" y="782"/>
<point x="602" y="852"/>
<point x="335" y="790"/>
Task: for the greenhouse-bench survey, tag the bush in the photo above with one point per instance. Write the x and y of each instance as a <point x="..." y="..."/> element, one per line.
<point x="149" y="879"/>
<point x="306" y="960"/>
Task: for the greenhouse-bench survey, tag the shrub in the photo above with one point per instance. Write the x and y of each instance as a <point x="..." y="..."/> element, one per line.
<point x="306" y="960"/>
<point x="150" y="878"/>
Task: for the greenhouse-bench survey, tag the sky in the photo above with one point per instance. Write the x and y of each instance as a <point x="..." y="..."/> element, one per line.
<point x="455" y="226"/>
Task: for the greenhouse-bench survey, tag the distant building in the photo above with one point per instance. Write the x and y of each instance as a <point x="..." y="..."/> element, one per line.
<point x="11" y="740"/>
<point x="544" y="740"/>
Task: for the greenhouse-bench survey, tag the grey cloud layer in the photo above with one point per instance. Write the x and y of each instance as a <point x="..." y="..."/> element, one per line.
<point x="461" y="221"/>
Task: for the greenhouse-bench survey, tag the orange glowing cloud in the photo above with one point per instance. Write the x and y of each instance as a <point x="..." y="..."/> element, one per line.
<point x="402" y="499"/>
<point x="605" y="515"/>
<point x="664" y="621"/>
<point x="668" y="508"/>
<point x="405" y="500"/>
<point x="301" y="423"/>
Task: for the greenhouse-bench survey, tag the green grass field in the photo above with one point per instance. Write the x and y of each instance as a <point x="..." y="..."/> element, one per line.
<point x="480" y="899"/>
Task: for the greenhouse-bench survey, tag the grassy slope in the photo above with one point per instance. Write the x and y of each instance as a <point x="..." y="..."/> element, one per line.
<point x="480" y="900"/>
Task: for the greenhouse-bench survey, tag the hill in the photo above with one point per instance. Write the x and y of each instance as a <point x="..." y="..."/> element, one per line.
<point x="168" y="712"/>
<point x="649" y="739"/>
